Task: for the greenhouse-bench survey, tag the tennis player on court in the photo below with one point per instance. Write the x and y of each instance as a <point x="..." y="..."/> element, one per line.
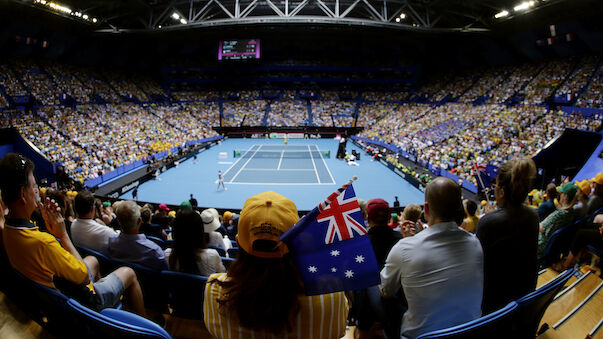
<point x="221" y="180"/>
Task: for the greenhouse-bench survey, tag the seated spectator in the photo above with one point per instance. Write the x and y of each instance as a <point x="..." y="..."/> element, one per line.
<point x="211" y="223"/>
<point x="583" y="238"/>
<point x="189" y="253"/>
<point x="562" y="216"/>
<point x="132" y="246"/>
<point x="411" y="224"/>
<point x="509" y="234"/>
<point x="440" y="269"/>
<point x="161" y="217"/>
<point x="149" y="229"/>
<point x="548" y="206"/>
<point x="581" y="206"/>
<point x="262" y="293"/>
<point x="229" y="224"/>
<point x="595" y="201"/>
<point x="85" y="230"/>
<point x="394" y="221"/>
<point x="41" y="258"/>
<point x="470" y="222"/>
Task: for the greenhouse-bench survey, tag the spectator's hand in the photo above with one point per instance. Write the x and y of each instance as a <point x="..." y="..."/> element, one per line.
<point x="408" y="228"/>
<point x="489" y="208"/>
<point x="51" y="213"/>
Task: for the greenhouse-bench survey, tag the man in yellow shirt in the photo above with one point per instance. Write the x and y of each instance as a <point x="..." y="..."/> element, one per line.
<point x="261" y="296"/>
<point x="41" y="258"/>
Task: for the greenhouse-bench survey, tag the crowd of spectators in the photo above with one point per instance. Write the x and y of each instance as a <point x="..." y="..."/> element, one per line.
<point x="38" y="82"/>
<point x="10" y="82"/>
<point x="123" y="85"/>
<point x="287" y="113"/>
<point x="324" y="112"/>
<point x="551" y="76"/>
<point x="486" y="84"/>
<point x="519" y="77"/>
<point x="574" y="85"/>
<point x="244" y="113"/>
<point x="593" y="95"/>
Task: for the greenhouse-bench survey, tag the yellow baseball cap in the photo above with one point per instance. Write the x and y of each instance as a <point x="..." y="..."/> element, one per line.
<point x="584" y="186"/>
<point x="264" y="218"/>
<point x="598" y="179"/>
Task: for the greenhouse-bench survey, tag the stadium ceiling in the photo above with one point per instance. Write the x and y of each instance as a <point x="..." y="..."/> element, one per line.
<point x="116" y="16"/>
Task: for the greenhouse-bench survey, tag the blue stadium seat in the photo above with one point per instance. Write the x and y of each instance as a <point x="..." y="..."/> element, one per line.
<point x="112" y="323"/>
<point x="185" y="293"/>
<point x="106" y="264"/>
<point x="154" y="292"/>
<point x="232" y="252"/>
<point x="533" y="305"/>
<point x="220" y="251"/>
<point x="158" y="241"/>
<point x="227" y="261"/>
<point x="559" y="243"/>
<point x="499" y="324"/>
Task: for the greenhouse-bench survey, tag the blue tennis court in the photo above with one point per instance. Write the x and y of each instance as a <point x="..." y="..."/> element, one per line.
<point x="280" y="165"/>
<point x="302" y="171"/>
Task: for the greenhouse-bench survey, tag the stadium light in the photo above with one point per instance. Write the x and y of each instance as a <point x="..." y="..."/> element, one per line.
<point x="523" y="6"/>
<point x="182" y="21"/>
<point x="159" y="26"/>
<point x="85" y="16"/>
<point x="94" y="20"/>
<point x="501" y="14"/>
<point x="402" y="16"/>
<point x="397" y="19"/>
<point x="175" y="16"/>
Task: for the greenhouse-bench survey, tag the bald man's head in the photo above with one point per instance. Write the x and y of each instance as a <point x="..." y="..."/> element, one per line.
<point x="444" y="198"/>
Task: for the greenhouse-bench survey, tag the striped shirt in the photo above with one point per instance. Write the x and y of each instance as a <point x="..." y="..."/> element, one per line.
<point x="320" y="316"/>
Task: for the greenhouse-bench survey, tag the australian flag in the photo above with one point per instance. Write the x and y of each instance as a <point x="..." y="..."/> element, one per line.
<point x="330" y="247"/>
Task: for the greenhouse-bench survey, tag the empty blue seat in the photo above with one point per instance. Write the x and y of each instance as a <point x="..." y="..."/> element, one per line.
<point x="185" y="293"/>
<point x="112" y="323"/>
<point x="232" y="252"/>
<point x="499" y="324"/>
<point x="227" y="261"/>
<point x="533" y="305"/>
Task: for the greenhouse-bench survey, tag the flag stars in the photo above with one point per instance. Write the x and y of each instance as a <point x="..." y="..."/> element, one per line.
<point x="349" y="274"/>
<point x="334" y="253"/>
<point x="312" y="269"/>
<point x="333" y="269"/>
<point x="359" y="259"/>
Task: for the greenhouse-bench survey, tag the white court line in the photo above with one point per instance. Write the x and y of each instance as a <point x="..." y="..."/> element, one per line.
<point x="313" y="164"/>
<point x="245" y="164"/>
<point x="274" y="169"/>
<point x="280" y="161"/>
<point x="224" y="162"/>
<point x="279" y="184"/>
<point x="252" y="146"/>
<point x="327" y="167"/>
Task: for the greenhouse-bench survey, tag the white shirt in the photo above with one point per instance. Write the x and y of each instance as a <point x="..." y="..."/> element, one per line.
<point x="208" y="262"/>
<point x="441" y="272"/>
<point x="90" y="234"/>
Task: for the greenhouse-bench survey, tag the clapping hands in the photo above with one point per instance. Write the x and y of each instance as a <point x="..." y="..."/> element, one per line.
<point x="53" y="217"/>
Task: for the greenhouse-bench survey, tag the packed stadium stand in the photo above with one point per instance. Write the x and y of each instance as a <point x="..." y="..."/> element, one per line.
<point x="455" y="96"/>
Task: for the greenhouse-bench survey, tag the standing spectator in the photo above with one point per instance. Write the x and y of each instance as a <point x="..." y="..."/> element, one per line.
<point x="193" y="201"/>
<point x="440" y="269"/>
<point x="85" y="230"/>
<point x="548" y="206"/>
<point x="41" y="258"/>
<point x="262" y="294"/>
<point x="135" y="193"/>
<point x="130" y="245"/>
<point x="509" y="235"/>
<point x="189" y="253"/>
<point x="396" y="202"/>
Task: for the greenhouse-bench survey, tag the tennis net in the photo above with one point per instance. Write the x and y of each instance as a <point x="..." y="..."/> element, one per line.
<point x="285" y="154"/>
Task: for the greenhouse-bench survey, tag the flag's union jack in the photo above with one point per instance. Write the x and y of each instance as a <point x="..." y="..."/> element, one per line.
<point x="479" y="167"/>
<point x="341" y="222"/>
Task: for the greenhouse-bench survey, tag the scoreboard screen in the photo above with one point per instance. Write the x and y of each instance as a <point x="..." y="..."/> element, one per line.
<point x="239" y="49"/>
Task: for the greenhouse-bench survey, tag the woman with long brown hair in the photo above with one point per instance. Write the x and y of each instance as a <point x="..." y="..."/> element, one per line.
<point x="262" y="293"/>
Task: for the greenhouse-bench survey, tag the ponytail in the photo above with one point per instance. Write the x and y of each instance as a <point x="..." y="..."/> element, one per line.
<point x="515" y="178"/>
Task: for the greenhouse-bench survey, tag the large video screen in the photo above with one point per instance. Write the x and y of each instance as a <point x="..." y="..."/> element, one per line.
<point x="239" y="49"/>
